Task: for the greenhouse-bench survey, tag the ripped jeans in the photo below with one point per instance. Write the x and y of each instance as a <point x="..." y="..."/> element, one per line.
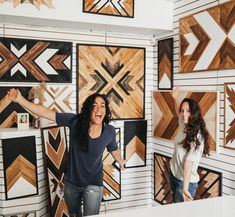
<point x="91" y="196"/>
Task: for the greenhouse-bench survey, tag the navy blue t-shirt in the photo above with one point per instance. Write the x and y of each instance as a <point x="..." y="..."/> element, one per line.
<point x="86" y="168"/>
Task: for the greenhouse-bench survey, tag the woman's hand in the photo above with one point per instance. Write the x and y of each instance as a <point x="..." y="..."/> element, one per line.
<point x="14" y="95"/>
<point x="122" y="163"/>
<point x="187" y="196"/>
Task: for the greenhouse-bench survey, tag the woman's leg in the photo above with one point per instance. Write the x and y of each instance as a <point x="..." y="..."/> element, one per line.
<point x="193" y="188"/>
<point x="176" y="188"/>
<point x="92" y="197"/>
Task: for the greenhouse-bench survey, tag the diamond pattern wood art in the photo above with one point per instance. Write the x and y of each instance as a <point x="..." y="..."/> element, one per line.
<point x="8" y="109"/>
<point x="165" y="64"/>
<point x="117" y="72"/>
<point x="122" y="8"/>
<point x="112" y="174"/>
<point x="135" y="134"/>
<point x="209" y="185"/>
<point x="229" y="115"/>
<point x="36" y="3"/>
<point x="165" y="120"/>
<point x="207" y="39"/>
<point x="24" y="60"/>
<point x="20" y="167"/>
<point x="55" y="144"/>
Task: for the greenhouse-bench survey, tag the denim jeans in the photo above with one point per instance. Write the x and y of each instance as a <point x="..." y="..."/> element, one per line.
<point x="177" y="188"/>
<point x="91" y="196"/>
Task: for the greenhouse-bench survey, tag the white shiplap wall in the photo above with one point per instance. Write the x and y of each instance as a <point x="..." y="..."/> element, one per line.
<point x="135" y="182"/>
<point x="224" y="160"/>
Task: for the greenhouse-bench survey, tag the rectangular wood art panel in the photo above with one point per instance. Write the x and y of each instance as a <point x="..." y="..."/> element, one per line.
<point x="165" y="119"/>
<point x="117" y="72"/>
<point x="123" y="8"/>
<point x="20" y="167"/>
<point x="207" y="39"/>
<point x="112" y="174"/>
<point x="8" y="109"/>
<point x="229" y="115"/>
<point x="36" y="3"/>
<point x="25" y="60"/>
<point x="55" y="151"/>
<point x="209" y="185"/>
<point x="28" y="214"/>
<point x="135" y="136"/>
<point x="165" y="64"/>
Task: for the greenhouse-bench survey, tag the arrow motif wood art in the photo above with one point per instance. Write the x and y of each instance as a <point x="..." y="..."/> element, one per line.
<point x="36" y="3"/>
<point x="123" y="8"/>
<point x="207" y="39"/>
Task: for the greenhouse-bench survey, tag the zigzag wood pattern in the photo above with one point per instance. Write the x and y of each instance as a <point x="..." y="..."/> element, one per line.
<point x="165" y="64"/>
<point x="166" y="121"/>
<point x="209" y="185"/>
<point x="207" y="39"/>
<point x="19" y="160"/>
<point x="36" y="3"/>
<point x="24" y="60"/>
<point x="117" y="72"/>
<point x="229" y="116"/>
<point x="9" y="110"/>
<point x="54" y="140"/>
<point x="135" y="143"/>
<point x="31" y="214"/>
<point x="112" y="174"/>
<point x="123" y="8"/>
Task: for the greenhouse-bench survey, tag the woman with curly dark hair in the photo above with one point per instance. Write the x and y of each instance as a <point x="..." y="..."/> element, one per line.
<point x="90" y="135"/>
<point x="190" y="145"/>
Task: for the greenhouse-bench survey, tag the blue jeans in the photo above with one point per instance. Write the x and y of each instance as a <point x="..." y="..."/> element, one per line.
<point x="91" y="196"/>
<point x="177" y="188"/>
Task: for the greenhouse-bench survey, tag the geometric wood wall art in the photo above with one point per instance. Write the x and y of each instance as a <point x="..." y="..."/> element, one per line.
<point x="112" y="174"/>
<point x="55" y="145"/>
<point x="229" y="115"/>
<point x="207" y="39"/>
<point x="20" y="167"/>
<point x="8" y="109"/>
<point x="29" y="214"/>
<point x="24" y="60"/>
<point x="165" y="120"/>
<point x="209" y="185"/>
<point x="122" y="8"/>
<point x="165" y="64"/>
<point x="36" y="3"/>
<point x="117" y="72"/>
<point x="135" y="135"/>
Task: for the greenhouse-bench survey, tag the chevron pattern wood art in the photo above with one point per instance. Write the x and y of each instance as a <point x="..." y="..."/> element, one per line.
<point x="9" y="110"/>
<point x="31" y="214"/>
<point x="55" y="144"/>
<point x="36" y="3"/>
<point x="165" y="120"/>
<point x="122" y="8"/>
<point x="112" y="174"/>
<point x="135" y="134"/>
<point x="117" y="72"/>
<point x="210" y="184"/>
<point x="165" y="64"/>
<point x="229" y="115"/>
<point x="20" y="167"/>
<point x="24" y="60"/>
<point x="207" y="39"/>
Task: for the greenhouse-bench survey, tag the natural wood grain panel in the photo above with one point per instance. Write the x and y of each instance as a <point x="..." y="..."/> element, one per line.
<point x="36" y="3"/>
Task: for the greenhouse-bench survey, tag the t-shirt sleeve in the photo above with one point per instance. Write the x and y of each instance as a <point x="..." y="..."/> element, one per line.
<point x="64" y="119"/>
<point x="112" y="146"/>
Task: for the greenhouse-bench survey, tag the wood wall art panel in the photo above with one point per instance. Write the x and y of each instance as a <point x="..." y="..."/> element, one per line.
<point x="165" y="64"/>
<point x="112" y="174"/>
<point x="135" y="136"/>
<point x="8" y="109"/>
<point x="36" y="3"/>
<point x="229" y="115"/>
<point x="55" y="145"/>
<point x="25" y="60"/>
<point x="117" y="72"/>
<point x="20" y="167"/>
<point x="165" y="119"/>
<point x="29" y="214"/>
<point x="207" y="39"/>
<point x="209" y="185"/>
<point x="122" y="8"/>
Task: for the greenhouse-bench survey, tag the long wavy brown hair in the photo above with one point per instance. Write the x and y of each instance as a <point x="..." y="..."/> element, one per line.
<point x="195" y="125"/>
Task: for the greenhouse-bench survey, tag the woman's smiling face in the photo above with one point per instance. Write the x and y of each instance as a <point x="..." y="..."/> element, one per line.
<point x="98" y="111"/>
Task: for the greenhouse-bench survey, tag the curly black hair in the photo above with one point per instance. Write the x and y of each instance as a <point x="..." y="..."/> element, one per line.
<point x="195" y="125"/>
<point x="84" y="119"/>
